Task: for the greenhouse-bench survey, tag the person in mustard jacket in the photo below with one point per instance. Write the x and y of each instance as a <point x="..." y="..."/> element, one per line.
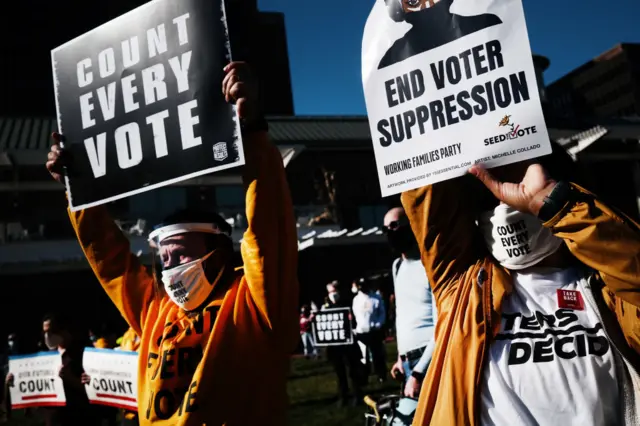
<point x="537" y="284"/>
<point x="215" y="340"/>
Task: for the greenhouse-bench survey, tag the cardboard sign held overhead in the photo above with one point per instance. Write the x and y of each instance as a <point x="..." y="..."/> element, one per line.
<point x="449" y="84"/>
<point x="140" y="102"/>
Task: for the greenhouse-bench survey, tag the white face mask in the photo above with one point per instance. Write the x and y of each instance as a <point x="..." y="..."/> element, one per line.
<point x="187" y="285"/>
<point x="52" y="340"/>
<point x="354" y="290"/>
<point x="516" y="240"/>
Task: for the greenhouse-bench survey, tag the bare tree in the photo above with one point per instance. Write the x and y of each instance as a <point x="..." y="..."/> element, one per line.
<point x="327" y="190"/>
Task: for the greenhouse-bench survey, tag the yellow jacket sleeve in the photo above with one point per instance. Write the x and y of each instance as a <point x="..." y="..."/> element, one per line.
<point x="121" y="274"/>
<point x="442" y="221"/>
<point x="603" y="239"/>
<point x="270" y="244"/>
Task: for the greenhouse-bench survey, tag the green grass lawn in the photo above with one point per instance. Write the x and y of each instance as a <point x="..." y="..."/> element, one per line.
<point x="312" y="392"/>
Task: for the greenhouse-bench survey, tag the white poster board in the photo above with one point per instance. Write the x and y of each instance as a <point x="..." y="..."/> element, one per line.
<point x="36" y="381"/>
<point x="449" y="84"/>
<point x="114" y="377"/>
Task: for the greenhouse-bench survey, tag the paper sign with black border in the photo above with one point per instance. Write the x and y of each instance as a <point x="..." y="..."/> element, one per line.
<point x="139" y="101"/>
<point x="341" y="323"/>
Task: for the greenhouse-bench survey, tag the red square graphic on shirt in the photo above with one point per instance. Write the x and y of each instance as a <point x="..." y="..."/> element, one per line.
<point x="570" y="299"/>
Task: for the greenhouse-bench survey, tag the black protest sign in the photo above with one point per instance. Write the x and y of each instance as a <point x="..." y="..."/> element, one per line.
<point x="332" y="327"/>
<point x="140" y="101"/>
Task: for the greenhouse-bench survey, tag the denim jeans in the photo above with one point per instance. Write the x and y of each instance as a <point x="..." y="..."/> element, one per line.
<point x="406" y="406"/>
<point x="308" y="344"/>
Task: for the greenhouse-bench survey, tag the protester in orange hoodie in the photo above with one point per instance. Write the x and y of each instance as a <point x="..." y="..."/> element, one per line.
<point x="215" y="341"/>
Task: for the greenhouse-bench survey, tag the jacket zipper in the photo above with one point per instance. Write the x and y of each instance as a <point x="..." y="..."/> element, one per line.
<point x="594" y="305"/>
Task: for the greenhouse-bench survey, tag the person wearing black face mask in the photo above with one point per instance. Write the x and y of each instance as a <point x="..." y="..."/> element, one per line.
<point x="415" y="311"/>
<point x="433" y="25"/>
<point x="346" y="356"/>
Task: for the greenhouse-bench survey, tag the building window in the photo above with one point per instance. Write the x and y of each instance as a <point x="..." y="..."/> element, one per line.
<point x="230" y="200"/>
<point x="156" y="204"/>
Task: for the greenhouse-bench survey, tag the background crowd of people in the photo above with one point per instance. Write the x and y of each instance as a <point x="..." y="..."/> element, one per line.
<point x="407" y="315"/>
<point x="61" y="333"/>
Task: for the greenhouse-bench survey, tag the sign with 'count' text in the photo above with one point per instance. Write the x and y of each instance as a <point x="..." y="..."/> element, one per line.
<point x="113" y="377"/>
<point x="332" y="327"/>
<point x="36" y="380"/>
<point x="140" y="103"/>
<point x="449" y="84"/>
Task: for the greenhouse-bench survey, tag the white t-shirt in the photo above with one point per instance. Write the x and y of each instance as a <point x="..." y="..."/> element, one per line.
<point x="549" y="366"/>
<point x="368" y="310"/>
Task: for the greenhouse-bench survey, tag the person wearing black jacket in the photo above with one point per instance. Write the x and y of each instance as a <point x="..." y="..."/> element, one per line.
<point x="58" y="335"/>
<point x="344" y="357"/>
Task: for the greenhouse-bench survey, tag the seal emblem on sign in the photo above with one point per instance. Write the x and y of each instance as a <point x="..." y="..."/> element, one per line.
<point x="220" y="151"/>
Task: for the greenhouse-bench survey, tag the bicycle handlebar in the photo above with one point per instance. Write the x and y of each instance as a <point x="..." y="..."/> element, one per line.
<point x="389" y="400"/>
<point x="374" y="406"/>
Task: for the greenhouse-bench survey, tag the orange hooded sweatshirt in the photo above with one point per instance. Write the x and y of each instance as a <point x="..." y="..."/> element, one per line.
<point x="228" y="365"/>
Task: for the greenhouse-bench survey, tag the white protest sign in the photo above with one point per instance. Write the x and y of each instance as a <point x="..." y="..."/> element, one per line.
<point x="449" y="84"/>
<point x="36" y="381"/>
<point x="114" y="377"/>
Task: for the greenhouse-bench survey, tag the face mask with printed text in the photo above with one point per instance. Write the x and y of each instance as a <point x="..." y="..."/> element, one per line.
<point x="516" y="240"/>
<point x="187" y="285"/>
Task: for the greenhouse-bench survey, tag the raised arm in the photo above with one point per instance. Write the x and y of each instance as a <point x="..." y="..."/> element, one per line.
<point x="597" y="235"/>
<point x="123" y="277"/>
<point x="121" y="274"/>
<point x="603" y="239"/>
<point x="270" y="245"/>
<point x="442" y="221"/>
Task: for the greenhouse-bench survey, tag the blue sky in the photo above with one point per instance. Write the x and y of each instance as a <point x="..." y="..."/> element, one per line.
<point x="325" y="37"/>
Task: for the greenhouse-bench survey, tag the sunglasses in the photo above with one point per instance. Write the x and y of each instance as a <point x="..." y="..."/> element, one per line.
<point x="394" y="226"/>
